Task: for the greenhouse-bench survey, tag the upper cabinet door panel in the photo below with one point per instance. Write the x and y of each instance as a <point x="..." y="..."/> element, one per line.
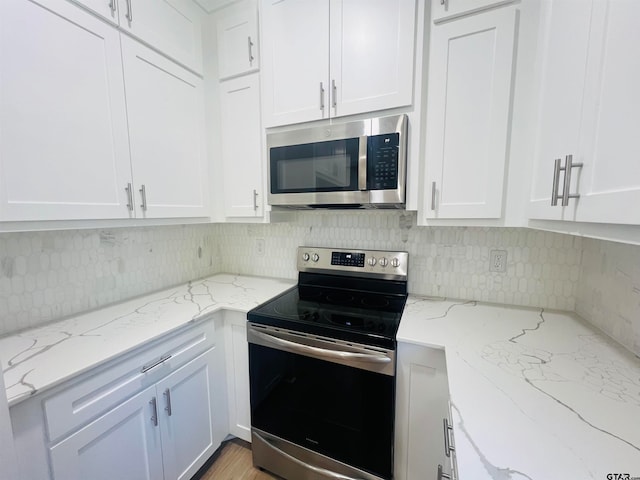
<point x="237" y="28"/>
<point x="610" y="178"/>
<point x="371" y="55"/>
<point x="564" y="46"/>
<point x="469" y="97"/>
<point x="64" y="150"/>
<point x="295" y="60"/>
<point x="445" y="9"/>
<point x="166" y="122"/>
<point x="172" y="26"/>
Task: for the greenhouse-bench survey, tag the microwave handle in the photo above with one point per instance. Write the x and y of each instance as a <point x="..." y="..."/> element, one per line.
<point x="362" y="163"/>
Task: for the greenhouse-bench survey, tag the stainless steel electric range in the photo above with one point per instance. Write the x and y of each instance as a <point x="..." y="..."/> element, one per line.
<point x="322" y="367"/>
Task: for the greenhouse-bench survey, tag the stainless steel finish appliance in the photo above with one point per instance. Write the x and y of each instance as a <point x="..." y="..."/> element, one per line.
<point x="322" y="367"/>
<point x="361" y="164"/>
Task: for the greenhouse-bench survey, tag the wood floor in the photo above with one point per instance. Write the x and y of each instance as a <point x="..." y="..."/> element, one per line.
<point x="234" y="463"/>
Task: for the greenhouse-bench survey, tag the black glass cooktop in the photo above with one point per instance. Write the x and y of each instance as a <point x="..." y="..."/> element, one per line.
<point x="347" y="314"/>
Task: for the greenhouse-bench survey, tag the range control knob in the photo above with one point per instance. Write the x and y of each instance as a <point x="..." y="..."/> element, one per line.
<point x="315" y="257"/>
<point x="384" y="262"/>
<point x="305" y="256"/>
<point x="395" y="262"/>
<point x="371" y="261"/>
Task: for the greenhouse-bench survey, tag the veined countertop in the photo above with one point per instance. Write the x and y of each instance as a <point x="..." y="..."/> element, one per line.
<point x="535" y="395"/>
<point x="41" y="358"/>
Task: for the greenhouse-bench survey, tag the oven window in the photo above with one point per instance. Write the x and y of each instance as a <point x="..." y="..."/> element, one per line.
<point x="339" y="411"/>
<point x="315" y="167"/>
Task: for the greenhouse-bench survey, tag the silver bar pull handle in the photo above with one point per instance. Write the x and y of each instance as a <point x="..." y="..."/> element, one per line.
<point x="320" y="471"/>
<point x="322" y="352"/>
<point x="362" y="163"/>
<point x="556" y="182"/>
<point x="445" y="3"/>
<point x="250" y="43"/>
<point x="568" y="167"/>
<point x="255" y="200"/>
<point x="433" y="196"/>
<point x="442" y="475"/>
<point x="448" y="447"/>
<point x="143" y="194"/>
<point x="321" y="96"/>
<point x="129" y="11"/>
<point x="162" y="359"/>
<point x="112" y="6"/>
<point x="334" y="94"/>
<point x="154" y="408"/>
<point x="167" y="397"/>
<point x="129" y="191"/>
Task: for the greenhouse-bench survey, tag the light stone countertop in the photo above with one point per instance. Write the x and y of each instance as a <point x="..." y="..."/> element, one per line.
<point x="41" y="358"/>
<point x="535" y="394"/>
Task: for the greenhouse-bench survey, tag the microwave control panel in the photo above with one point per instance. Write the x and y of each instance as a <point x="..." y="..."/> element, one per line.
<point x="382" y="161"/>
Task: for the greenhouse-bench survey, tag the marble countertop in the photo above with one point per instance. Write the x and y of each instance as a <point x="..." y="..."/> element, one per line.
<point x="41" y="358"/>
<point x="538" y="395"/>
<point x="535" y="394"/>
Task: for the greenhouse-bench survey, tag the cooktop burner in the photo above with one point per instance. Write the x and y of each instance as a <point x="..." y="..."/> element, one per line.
<point x="339" y="298"/>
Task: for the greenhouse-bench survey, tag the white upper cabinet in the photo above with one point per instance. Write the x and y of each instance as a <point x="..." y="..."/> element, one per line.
<point x="172" y="26"/>
<point x="238" y="46"/>
<point x="331" y="58"/>
<point x="589" y="77"/>
<point x="64" y="150"/>
<point x="242" y="146"/>
<point x="445" y="9"/>
<point x="295" y="60"/>
<point x="468" y="110"/>
<point x="166" y="116"/>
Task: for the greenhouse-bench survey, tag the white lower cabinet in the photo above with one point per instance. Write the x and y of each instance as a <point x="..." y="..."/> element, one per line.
<point x="237" y="363"/>
<point x="156" y="414"/>
<point x="422" y="439"/>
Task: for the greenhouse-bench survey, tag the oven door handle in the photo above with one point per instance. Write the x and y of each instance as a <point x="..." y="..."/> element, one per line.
<point x="320" y="471"/>
<point x="322" y="352"/>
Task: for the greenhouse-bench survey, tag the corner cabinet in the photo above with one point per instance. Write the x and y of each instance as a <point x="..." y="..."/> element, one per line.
<point x="238" y="45"/>
<point x="242" y="146"/>
<point x="468" y="115"/>
<point x="587" y="115"/>
<point x="75" y="122"/>
<point x="330" y="58"/>
<point x="424" y="446"/>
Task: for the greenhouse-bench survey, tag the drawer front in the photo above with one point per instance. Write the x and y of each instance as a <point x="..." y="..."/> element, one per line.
<point x="102" y="388"/>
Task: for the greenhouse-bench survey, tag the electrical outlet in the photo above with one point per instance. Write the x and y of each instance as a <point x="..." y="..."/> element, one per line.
<point x="498" y="261"/>
<point x="259" y="246"/>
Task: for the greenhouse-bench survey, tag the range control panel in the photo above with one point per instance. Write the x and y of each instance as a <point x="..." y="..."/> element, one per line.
<point x="374" y="263"/>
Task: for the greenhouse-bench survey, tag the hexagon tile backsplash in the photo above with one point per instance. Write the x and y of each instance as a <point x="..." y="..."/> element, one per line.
<point x="45" y="276"/>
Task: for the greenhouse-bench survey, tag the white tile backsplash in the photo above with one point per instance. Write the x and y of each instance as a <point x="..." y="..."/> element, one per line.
<point x="45" y="276"/>
<point x="608" y="293"/>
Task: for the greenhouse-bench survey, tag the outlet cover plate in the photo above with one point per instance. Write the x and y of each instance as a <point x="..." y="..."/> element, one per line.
<point x="498" y="261"/>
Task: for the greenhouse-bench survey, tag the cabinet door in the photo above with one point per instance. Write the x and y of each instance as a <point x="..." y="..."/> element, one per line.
<point x="166" y="122"/>
<point x="64" y="150"/>
<point x="124" y="443"/>
<point x="186" y="417"/>
<point x="468" y="106"/>
<point x="564" y="39"/>
<point x="237" y="28"/>
<point x="372" y="45"/>
<point x="422" y="405"/>
<point x="444" y="9"/>
<point x="295" y="61"/>
<point x="237" y="361"/>
<point x="241" y="146"/>
<point x="610" y="178"/>
<point x="172" y="26"/>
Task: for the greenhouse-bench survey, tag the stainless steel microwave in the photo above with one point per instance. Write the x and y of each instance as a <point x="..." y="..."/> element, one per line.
<point x="361" y="164"/>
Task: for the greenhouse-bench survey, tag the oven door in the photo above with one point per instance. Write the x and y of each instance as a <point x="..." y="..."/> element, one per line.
<point x="329" y="397"/>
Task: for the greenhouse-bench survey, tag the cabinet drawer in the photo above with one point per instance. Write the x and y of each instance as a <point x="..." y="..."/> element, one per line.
<point x="445" y="9"/>
<point x="104" y="387"/>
